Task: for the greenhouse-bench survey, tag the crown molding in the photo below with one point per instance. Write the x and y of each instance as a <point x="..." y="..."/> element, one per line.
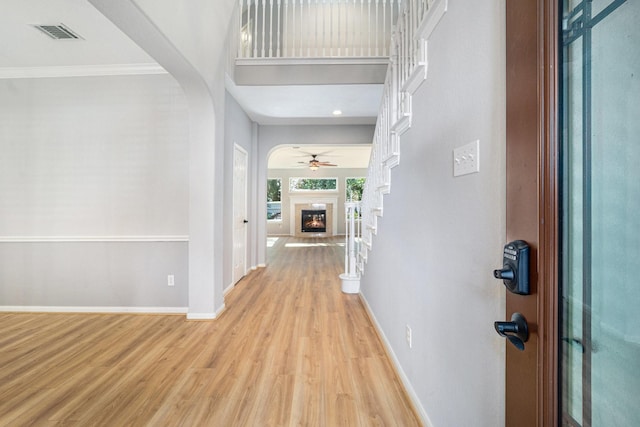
<point x="80" y="71"/>
<point x="81" y="239"/>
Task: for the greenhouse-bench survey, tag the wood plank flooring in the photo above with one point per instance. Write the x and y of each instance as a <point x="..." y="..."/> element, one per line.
<point x="290" y="350"/>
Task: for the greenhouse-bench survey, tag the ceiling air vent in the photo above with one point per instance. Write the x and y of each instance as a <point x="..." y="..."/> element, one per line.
<point x="58" y="32"/>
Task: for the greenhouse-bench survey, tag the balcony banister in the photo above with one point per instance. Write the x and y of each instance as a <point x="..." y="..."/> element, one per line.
<point x="315" y="28"/>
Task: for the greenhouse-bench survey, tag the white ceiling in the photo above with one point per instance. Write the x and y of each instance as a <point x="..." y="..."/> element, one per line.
<point x="26" y="52"/>
<point x="297" y="157"/>
<point x="24" y="46"/>
<point x="309" y="104"/>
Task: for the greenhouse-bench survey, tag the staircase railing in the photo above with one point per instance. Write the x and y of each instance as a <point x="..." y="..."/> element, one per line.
<point x="407" y="70"/>
<point x="316" y="28"/>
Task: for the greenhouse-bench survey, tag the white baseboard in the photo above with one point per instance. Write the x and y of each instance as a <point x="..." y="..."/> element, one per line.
<point x="396" y="364"/>
<point x="63" y="309"/>
<point x="228" y="289"/>
<point x="207" y="316"/>
<point x="201" y="316"/>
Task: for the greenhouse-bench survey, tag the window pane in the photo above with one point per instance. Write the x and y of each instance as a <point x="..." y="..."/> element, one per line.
<point x="354" y="188"/>
<point x="313" y="184"/>
<point x="274" y="199"/>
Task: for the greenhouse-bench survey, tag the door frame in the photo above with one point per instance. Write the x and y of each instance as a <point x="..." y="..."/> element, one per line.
<point x="532" y="202"/>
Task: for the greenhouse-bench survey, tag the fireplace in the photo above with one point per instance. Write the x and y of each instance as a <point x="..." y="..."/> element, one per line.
<point x="315" y="205"/>
<point x="314" y="221"/>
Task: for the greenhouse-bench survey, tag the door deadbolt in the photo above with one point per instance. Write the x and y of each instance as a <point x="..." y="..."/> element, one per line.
<point x="515" y="267"/>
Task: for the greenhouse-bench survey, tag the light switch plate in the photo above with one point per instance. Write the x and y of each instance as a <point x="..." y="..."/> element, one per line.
<point x="466" y="159"/>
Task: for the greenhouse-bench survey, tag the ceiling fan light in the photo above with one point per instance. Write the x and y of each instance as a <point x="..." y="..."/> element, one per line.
<point x="314" y="167"/>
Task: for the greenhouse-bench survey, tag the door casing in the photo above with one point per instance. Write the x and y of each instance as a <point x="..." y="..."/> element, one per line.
<point x="532" y="205"/>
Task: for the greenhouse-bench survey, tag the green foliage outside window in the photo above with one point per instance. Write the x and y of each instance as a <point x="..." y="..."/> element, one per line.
<point x="274" y="190"/>
<point x="274" y="199"/>
<point x="354" y="187"/>
<point x="313" y="184"/>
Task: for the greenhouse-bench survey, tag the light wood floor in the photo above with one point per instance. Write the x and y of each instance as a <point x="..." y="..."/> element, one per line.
<point x="290" y="349"/>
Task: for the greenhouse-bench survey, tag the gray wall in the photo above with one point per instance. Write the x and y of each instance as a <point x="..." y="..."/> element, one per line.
<point x="239" y="129"/>
<point x="440" y="237"/>
<point x="93" y="192"/>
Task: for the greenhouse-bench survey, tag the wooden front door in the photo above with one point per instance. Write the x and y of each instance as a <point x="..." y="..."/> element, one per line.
<point x="573" y="102"/>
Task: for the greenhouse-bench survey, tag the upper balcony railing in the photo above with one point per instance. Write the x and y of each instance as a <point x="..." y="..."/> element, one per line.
<point x="298" y="29"/>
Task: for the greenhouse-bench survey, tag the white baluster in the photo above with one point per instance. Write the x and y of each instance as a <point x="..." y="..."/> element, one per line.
<point x="316" y="6"/>
<point x="263" y="29"/>
<point x="309" y="28"/>
<point x="255" y="29"/>
<point x="385" y="42"/>
<point x="301" y="29"/>
<point x="332" y="31"/>
<point x="293" y="29"/>
<point x="355" y="25"/>
<point x="271" y="30"/>
<point x="405" y="58"/>
<point x="278" y="36"/>
<point x="376" y="27"/>
<point x="241" y="43"/>
<point x="285" y="29"/>
<point x="324" y="23"/>
<point x="361" y="27"/>
<point x="339" y="36"/>
<point x="369" y="27"/>
<point x="347" y="28"/>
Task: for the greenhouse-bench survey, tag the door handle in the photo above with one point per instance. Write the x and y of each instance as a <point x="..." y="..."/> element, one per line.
<point x="245" y="221"/>
<point x="516" y="331"/>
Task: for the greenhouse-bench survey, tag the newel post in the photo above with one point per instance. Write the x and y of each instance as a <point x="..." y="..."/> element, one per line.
<point x="351" y="277"/>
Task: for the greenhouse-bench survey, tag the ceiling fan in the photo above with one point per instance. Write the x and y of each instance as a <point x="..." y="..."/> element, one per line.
<point x="314" y="163"/>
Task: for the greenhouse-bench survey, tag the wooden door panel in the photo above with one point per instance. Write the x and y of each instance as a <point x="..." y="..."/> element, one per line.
<point x="530" y="202"/>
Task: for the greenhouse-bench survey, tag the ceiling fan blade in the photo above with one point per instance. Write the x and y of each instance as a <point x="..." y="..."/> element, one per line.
<point x="325" y="164"/>
<point x="315" y="154"/>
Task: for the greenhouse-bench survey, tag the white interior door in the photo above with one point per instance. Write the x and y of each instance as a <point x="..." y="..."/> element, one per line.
<point x="239" y="213"/>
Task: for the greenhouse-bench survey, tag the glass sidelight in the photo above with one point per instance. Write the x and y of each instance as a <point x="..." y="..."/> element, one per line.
<point x="600" y="280"/>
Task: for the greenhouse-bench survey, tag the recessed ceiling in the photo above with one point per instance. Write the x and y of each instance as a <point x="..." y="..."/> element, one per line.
<point x="344" y="156"/>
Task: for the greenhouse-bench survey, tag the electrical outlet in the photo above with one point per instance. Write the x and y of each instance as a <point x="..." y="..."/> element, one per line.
<point x="466" y="159"/>
<point x="409" y="336"/>
<point x="170" y="280"/>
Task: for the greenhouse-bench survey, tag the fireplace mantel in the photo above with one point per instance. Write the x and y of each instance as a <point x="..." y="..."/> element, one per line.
<point x="297" y="203"/>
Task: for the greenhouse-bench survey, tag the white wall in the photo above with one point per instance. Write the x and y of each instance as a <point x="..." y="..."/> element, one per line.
<point x="188" y="39"/>
<point x="282" y="227"/>
<point x="98" y="159"/>
<point x="440" y="237"/>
